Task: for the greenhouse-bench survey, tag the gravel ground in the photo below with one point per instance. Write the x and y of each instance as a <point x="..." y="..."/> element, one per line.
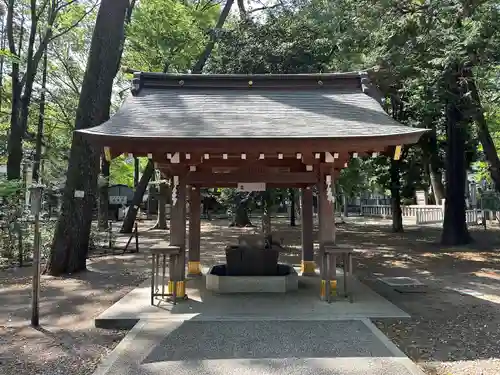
<point x="450" y="332"/>
<point x="455" y="324"/>
<point x="66" y="342"/>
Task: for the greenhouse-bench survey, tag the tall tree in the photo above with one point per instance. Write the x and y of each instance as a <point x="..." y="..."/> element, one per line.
<point x="454" y="226"/>
<point x="103" y="208"/>
<point x="41" y="119"/>
<point x="43" y="17"/>
<point x="71" y="239"/>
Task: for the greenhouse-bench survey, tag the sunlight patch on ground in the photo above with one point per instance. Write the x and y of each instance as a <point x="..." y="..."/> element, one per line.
<point x="432" y="255"/>
<point x="398" y="263"/>
<point x="474" y="257"/>
<point x="477" y="293"/>
<point x="478" y="366"/>
<point x="489" y="273"/>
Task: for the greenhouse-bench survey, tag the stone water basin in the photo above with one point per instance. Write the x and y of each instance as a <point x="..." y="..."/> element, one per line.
<point x="285" y="280"/>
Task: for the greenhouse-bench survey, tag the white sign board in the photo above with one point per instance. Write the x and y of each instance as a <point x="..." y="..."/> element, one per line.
<point x="251" y="186"/>
<point x="421" y="197"/>
<point x="79" y="193"/>
<point x="117" y="199"/>
<point x="473" y="195"/>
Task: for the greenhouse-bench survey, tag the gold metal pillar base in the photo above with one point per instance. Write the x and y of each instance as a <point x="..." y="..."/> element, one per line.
<point x="308" y="268"/>
<point x="194" y="268"/>
<point x="333" y="288"/>
<point x="181" y="288"/>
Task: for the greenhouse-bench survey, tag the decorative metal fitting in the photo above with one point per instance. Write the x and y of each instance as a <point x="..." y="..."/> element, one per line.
<point x="175" y="190"/>
<point x="329" y="189"/>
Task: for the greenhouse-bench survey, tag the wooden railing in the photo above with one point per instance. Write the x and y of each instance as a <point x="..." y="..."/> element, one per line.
<point x="376" y="211"/>
<point x="410" y="211"/>
<point x="429" y="214"/>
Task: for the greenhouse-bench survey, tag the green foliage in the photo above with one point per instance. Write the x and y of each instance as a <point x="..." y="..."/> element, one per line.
<point x="288" y="43"/>
<point x="122" y="170"/>
<point x="166" y="35"/>
<point x="8" y="56"/>
<point x="10" y="214"/>
<point x="9" y="189"/>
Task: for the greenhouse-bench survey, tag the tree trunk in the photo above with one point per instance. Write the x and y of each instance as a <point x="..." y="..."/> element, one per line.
<point x="483" y="132"/>
<point x="242" y="9"/>
<point x="71" y="239"/>
<point x="455" y="230"/>
<point x="241" y="218"/>
<point x="397" y="215"/>
<point x="438" y="190"/>
<point x="136" y="172"/>
<point x="128" y="222"/>
<point x="14" y="143"/>
<point x="103" y="210"/>
<point x="292" y="207"/>
<point x="161" y="221"/>
<point x="202" y="60"/>
<point x="266" y="214"/>
<point x="2" y="57"/>
<point x="435" y="174"/>
<point x="41" y="119"/>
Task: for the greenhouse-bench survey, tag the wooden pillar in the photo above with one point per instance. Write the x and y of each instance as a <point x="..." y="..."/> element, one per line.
<point x="308" y="267"/>
<point x="178" y="235"/>
<point x="326" y="214"/>
<point x="266" y="214"/>
<point x="194" y="267"/>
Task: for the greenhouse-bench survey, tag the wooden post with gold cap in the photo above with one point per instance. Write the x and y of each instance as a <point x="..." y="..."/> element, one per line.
<point x="194" y="267"/>
<point x="308" y="267"/>
<point x="326" y="229"/>
<point x="178" y="236"/>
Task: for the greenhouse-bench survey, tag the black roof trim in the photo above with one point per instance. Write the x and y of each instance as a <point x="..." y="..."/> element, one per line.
<point x="246" y="81"/>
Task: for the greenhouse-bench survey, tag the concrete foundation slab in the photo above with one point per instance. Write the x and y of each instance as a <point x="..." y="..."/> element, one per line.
<point x="304" y="304"/>
<point x="400" y="281"/>
<point x="404" y="284"/>
<point x="257" y="348"/>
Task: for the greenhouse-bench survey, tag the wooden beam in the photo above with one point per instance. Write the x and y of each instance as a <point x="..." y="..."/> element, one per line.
<point x="268" y="146"/>
<point x="232" y="162"/>
<point x="204" y="178"/>
<point x="212" y="184"/>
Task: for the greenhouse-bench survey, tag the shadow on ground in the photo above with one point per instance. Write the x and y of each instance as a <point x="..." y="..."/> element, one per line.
<point x="457" y="319"/>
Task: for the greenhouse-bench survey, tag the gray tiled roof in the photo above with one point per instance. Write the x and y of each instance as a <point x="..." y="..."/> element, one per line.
<point x="197" y="112"/>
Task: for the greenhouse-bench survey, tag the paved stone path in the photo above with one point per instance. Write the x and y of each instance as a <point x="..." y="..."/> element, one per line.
<point x="354" y="347"/>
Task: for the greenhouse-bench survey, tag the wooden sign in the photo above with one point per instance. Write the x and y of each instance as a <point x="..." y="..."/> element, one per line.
<point x="251" y="186"/>
<point x="117" y="199"/>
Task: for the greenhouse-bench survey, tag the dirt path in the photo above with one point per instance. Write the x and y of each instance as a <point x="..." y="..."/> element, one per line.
<point x="451" y="331"/>
<point x="67" y="342"/>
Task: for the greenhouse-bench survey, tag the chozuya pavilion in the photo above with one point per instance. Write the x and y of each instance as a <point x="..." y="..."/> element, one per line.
<point x="295" y="130"/>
